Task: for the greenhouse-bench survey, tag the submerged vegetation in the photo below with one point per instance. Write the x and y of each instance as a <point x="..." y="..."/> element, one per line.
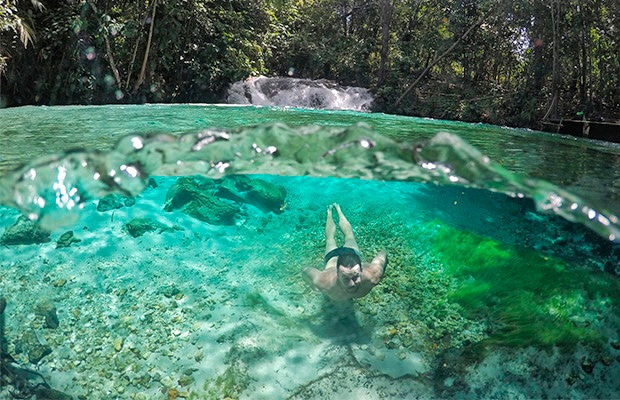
<point x="525" y="297"/>
<point x="470" y="291"/>
<point x="503" y="62"/>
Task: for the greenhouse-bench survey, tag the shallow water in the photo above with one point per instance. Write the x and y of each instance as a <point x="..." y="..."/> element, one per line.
<point x="484" y="296"/>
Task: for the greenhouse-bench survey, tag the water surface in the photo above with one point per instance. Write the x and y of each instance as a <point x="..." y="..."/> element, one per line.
<point x="485" y="295"/>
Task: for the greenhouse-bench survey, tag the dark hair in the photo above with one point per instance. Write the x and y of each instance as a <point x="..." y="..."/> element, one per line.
<point x="348" y="260"/>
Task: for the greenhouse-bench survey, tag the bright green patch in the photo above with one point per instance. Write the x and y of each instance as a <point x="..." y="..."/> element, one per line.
<point x="525" y="297"/>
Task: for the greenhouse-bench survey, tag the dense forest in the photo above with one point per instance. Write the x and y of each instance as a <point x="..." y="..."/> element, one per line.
<point x="512" y="62"/>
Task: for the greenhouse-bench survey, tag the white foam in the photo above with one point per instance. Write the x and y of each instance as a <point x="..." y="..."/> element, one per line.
<point x="303" y="93"/>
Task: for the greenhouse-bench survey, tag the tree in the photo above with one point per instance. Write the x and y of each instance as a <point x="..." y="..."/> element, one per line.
<point x="499" y="61"/>
<point x="147" y="50"/>
<point x="12" y="22"/>
<point x="387" y="12"/>
<point x="439" y="57"/>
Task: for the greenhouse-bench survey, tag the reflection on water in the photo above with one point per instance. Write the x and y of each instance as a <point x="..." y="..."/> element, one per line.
<point x="587" y="166"/>
<point x="53" y="189"/>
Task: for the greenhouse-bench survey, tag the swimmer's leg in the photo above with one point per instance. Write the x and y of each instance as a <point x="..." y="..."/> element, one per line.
<point x="347" y="229"/>
<point x="330" y="231"/>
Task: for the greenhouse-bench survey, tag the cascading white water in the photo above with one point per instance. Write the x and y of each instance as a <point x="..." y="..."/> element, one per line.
<point x="294" y="92"/>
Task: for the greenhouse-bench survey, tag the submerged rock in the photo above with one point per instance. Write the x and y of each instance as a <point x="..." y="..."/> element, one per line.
<point x="118" y="343"/>
<point x="216" y="202"/>
<point x="66" y="240"/>
<point x="192" y="195"/>
<point x="185" y="190"/>
<point x="152" y="183"/>
<point x="36" y="353"/>
<point x="139" y="226"/>
<point x="114" y="201"/>
<point x="267" y="196"/>
<point x="29" y="343"/>
<point x="47" y="309"/>
<point x="169" y="290"/>
<point x="51" y="394"/>
<point x="24" y="231"/>
<point x="209" y="208"/>
<point x="264" y="195"/>
<point x="587" y="365"/>
<point x="234" y="187"/>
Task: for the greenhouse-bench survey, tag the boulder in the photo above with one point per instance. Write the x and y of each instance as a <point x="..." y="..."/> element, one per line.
<point x="208" y="208"/>
<point x="234" y="187"/>
<point x="114" y="201"/>
<point x="194" y="197"/>
<point x="139" y="226"/>
<point x="267" y="196"/>
<point x="264" y="195"/>
<point x="24" y="231"/>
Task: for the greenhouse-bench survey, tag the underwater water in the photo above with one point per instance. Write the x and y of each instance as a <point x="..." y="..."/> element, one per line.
<point x="163" y="253"/>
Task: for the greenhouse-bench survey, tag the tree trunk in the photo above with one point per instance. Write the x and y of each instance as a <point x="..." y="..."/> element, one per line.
<point x="585" y="68"/>
<point x="133" y="61"/>
<point x="108" y="49"/>
<point x="555" y="79"/>
<point x="147" y="50"/>
<point x="387" y="12"/>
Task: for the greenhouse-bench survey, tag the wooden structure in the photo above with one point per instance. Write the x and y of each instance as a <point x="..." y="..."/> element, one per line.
<point x="607" y="131"/>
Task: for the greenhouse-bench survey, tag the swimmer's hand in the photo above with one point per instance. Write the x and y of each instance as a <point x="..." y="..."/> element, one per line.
<point x="309" y="275"/>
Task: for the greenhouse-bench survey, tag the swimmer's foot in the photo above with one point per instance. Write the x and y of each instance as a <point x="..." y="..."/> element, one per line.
<point x="337" y="206"/>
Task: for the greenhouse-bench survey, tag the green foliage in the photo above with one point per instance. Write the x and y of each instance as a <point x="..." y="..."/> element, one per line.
<point x="92" y="52"/>
<point x="505" y="71"/>
<point x="527" y="298"/>
<point x="12" y="23"/>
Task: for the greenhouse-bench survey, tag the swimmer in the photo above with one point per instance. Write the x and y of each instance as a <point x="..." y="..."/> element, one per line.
<point x="345" y="276"/>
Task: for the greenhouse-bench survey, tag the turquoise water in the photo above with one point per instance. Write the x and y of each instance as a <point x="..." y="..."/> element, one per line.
<point x="497" y="285"/>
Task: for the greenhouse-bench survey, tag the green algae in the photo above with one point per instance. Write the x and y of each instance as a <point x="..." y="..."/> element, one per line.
<point x="526" y="298"/>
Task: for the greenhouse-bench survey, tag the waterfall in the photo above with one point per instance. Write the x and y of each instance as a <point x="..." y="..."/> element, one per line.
<point x="294" y="92"/>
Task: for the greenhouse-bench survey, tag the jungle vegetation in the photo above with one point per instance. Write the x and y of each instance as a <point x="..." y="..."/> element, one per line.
<point x="512" y="62"/>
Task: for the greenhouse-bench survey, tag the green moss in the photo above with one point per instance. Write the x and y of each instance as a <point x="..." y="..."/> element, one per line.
<point x="526" y="297"/>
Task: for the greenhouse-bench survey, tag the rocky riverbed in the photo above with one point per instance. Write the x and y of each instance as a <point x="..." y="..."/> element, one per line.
<point x="163" y="296"/>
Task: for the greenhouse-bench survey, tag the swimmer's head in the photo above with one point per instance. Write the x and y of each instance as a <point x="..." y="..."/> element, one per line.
<point x="349" y="271"/>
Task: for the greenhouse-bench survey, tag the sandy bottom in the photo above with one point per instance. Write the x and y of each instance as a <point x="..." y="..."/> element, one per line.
<point x="210" y="311"/>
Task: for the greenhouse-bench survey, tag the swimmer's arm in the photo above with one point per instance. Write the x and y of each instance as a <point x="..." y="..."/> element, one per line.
<point x="376" y="269"/>
<point x="311" y="276"/>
